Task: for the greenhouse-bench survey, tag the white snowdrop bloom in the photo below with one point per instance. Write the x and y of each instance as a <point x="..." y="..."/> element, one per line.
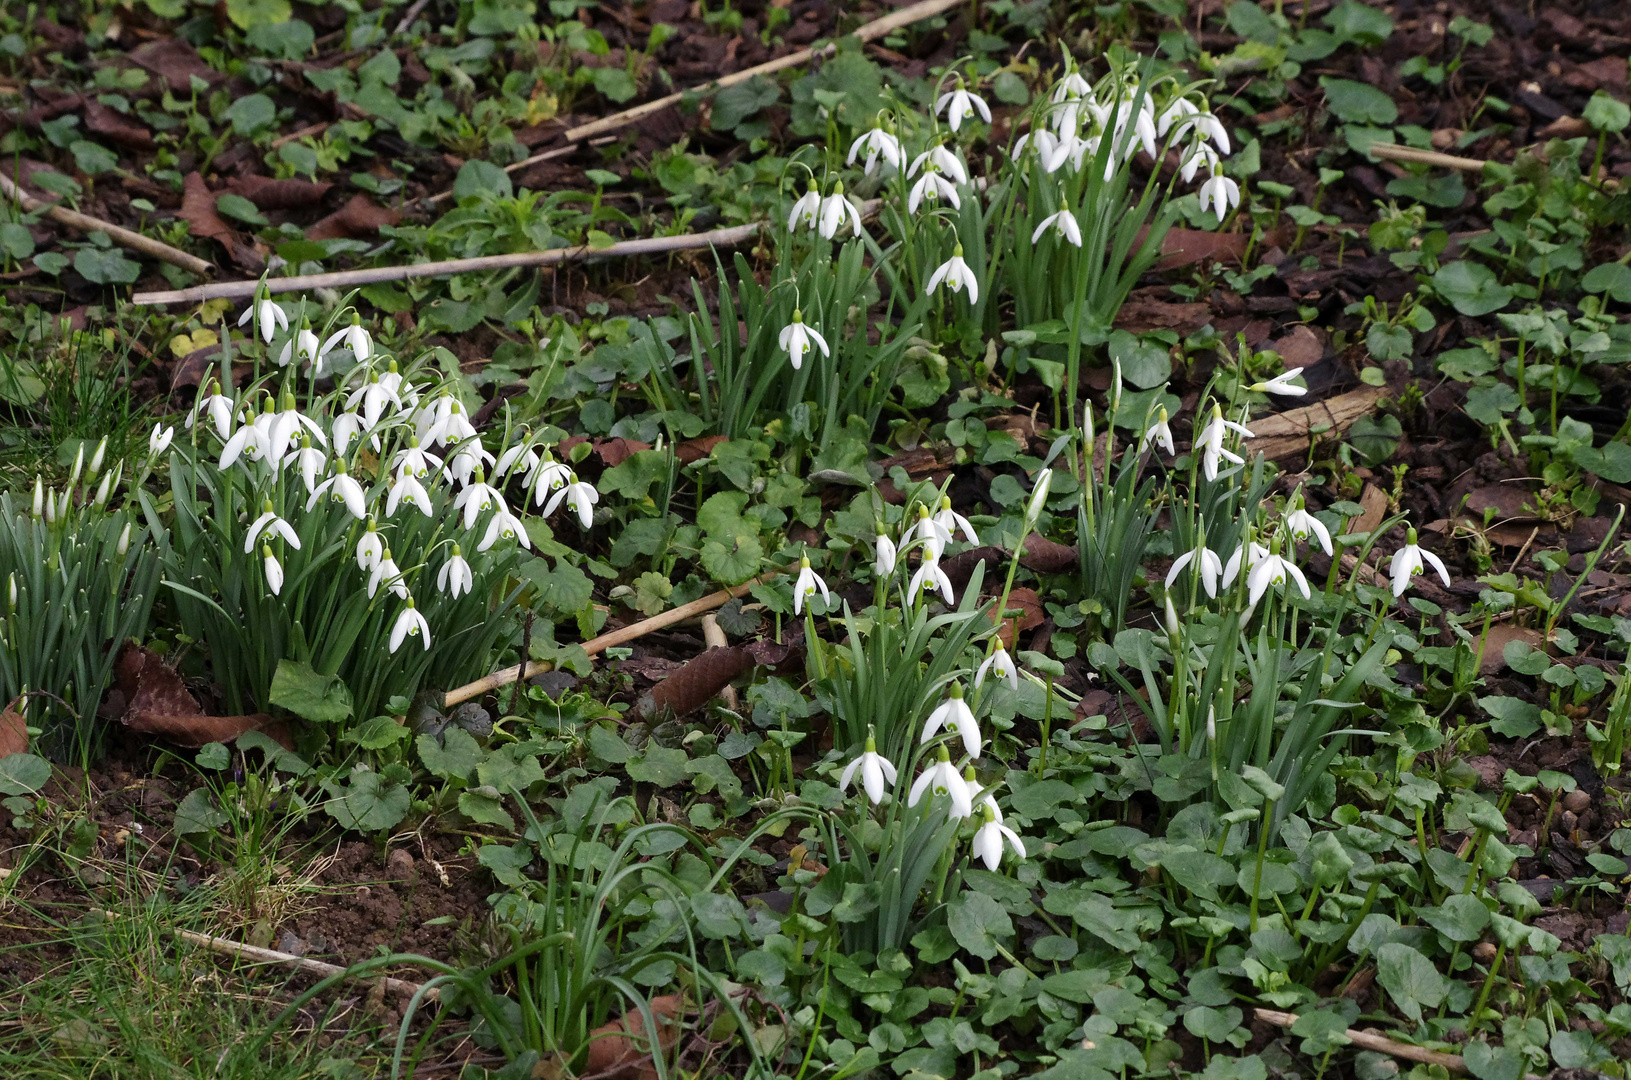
<point x="283" y="426"/>
<point x="414" y="460"/>
<point x="942" y="778"/>
<point x="988" y="839"/>
<point x="1251" y="554"/>
<point x="1199" y="154"/>
<point x="268" y="316"/>
<point x="1209" y="567"/>
<point x="246" y="442"/>
<point x="1302" y="525"/>
<point x="466" y="458"/>
<point x="550" y="476"/>
<point x="506" y="526"/>
<point x="410" y="624"/>
<point x="308" y="461"/>
<point x="159" y="440"/>
<point x="875" y="769"/>
<point x="940" y="158"/>
<point x="1176" y="113"/>
<point x="583" y="497"/>
<point x="346" y="427"/>
<point x="1064" y="225"/>
<point x="878" y="145"/>
<point x="930" y="576"/>
<point x="387" y="573"/>
<point x="1281" y="385"/>
<point x="954" y="715"/>
<point x="807" y="585"/>
<point x="1411" y="560"/>
<point x="883" y="564"/>
<point x="1039" y="496"/>
<point x="406" y="488"/>
<point x="273" y="568"/>
<point x="342" y="488"/>
<point x="933" y="187"/>
<point x="394" y="381"/>
<point x="517" y="458"/>
<point x="1273" y="569"/>
<point x="951" y="521"/>
<point x="371" y="398"/>
<point x="1209" y="126"/>
<point x="1144" y="132"/>
<point x="1221" y="194"/>
<point x="1212" y="723"/>
<point x="218" y="407"/>
<point x="269" y="524"/>
<point x="455" y="576"/>
<point x="934" y="536"/>
<point x="442" y="420"/>
<point x="1052" y="151"/>
<point x="797" y="337"/>
<point x="303" y="347"/>
<point x="353" y="338"/>
<point x="476" y="497"/>
<point x="959" y="105"/>
<point x="807" y="210"/>
<point x="837" y="210"/>
<point x="370" y="549"/>
<point x="1000" y="664"/>
<point x="957" y="275"/>
<point x="1160" y="433"/>
<point x="1211" y="443"/>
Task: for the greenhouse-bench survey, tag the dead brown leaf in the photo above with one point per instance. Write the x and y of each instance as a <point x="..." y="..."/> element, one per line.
<point x="615" y="452"/>
<point x="696" y="682"/>
<point x="1510" y="502"/>
<point x="176" y="62"/>
<point x="361" y="216"/>
<point x="1499" y="637"/>
<point x="1186" y="247"/>
<point x="622" y="1049"/>
<point x="159" y="704"/>
<point x="269" y="194"/>
<point x="1029" y="608"/>
<point x="13" y="730"/>
<point x="1299" y="349"/>
<point x="112" y="125"/>
<point x="198" y="211"/>
<point x="696" y="449"/>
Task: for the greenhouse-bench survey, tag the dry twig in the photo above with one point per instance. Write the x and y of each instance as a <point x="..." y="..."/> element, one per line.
<point x="1382" y="1044"/>
<point x="1395" y="152"/>
<point x="85" y="223"/>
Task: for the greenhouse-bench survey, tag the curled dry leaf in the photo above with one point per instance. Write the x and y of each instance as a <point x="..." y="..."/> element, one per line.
<point x="622" y="1049"/>
<point x="159" y="704"/>
<point x="361" y="216"/>
<point x="696" y="681"/>
<point x="615" y="452"/>
<point x="205" y="222"/>
<point x="269" y="194"/>
<point x="13" y="730"/>
<point x="111" y="124"/>
<point x="176" y="63"/>
<point x="1028" y="607"/>
<point x="696" y="449"/>
<point x="1186" y="247"/>
<point x="1040" y="554"/>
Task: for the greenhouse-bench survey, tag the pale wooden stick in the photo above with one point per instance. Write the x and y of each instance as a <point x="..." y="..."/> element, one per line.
<point x="1395" y="152"/>
<point x="600" y="644"/>
<point x="314" y="967"/>
<point x="1382" y="1044"/>
<point x="85" y="223"/>
<point x="236" y="290"/>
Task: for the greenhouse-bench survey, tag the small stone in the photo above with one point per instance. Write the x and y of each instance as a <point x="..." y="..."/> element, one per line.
<point x="1578" y="801"/>
<point x="399" y="865"/>
<point x="291" y="944"/>
<point x="1484" y="951"/>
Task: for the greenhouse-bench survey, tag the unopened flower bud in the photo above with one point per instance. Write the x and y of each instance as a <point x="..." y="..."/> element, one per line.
<point x="124" y="539"/>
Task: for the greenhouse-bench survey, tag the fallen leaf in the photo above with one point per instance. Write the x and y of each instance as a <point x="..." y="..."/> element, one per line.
<point x="1299" y="349"/>
<point x="361" y="216"/>
<point x="1510" y="502"/>
<point x="1499" y="637"/>
<point x="269" y="194"/>
<point x="198" y="211"/>
<point x="111" y="124"/>
<point x="615" y="452"/>
<point x="13" y="731"/>
<point x="621" y="1049"/>
<point x="1029" y="608"/>
<point x="176" y="62"/>
<point x="1186" y="247"/>
<point x="159" y="704"/>
<point x="696" y="449"/>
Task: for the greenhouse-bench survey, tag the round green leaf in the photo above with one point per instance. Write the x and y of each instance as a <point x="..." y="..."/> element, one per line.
<point x="1471" y="287"/>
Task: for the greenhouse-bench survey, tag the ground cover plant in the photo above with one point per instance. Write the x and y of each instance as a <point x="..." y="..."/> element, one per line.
<point x="1028" y="540"/>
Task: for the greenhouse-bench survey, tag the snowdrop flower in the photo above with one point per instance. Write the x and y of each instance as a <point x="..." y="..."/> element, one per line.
<point x="1044" y="481"/>
<point x="1159" y="433"/>
<point x="989" y="837"/>
<point x="1180" y="110"/>
<point x="959" y="105"/>
<point x="942" y="778"/>
<point x="836" y="210"/>
<point x="808" y="584"/>
<point x="342" y="489"/>
<point x="1212" y="723"/>
<point x="1000" y="664"/>
<point x="372" y="397"/>
<point x="39" y="496"/>
<point x="884" y="564"/>
<point x="956" y="274"/>
<point x="406" y="488"/>
<point x="309" y="460"/>
<point x="304" y="346"/>
<point x="1221" y="194"/>
<point x="1199" y="154"/>
<point x="581" y="494"/>
<point x="346" y="427"/>
<point x="466" y="460"/>
<point x="1281" y="384"/>
<point x="550" y="475"/>
<point x="1052" y="151"/>
<point x="283" y="425"/>
<point x="268" y="316"/>
<point x="940" y="159"/>
<point x="930" y="575"/>
<point x="410" y="624"/>
<point x="1408" y="561"/>
<point x="1143" y="132"/>
<point x="955" y="715"/>
<point x="932" y="186"/>
<point x="219" y="409"/>
<point x="875" y="770"/>
<point x="1210" y="127"/>
<point x="246" y="442"/>
<point x="1063" y="223"/>
<point x="386" y="573"/>
<point x="274" y="569"/>
<point x="159" y="441"/>
<point x="1211" y="442"/>
<point x="353" y="338"/>
<point x="393" y="381"/>
<point x="476" y="498"/>
<point x="796" y="339"/>
<point x="506" y="526"/>
<point x="950" y="520"/>
<point x="455" y="576"/>
<point x="415" y="461"/>
<point x="1302" y="525"/>
<point x="877" y="144"/>
<point x="1251" y="553"/>
<point x="807" y="210"/>
<point x="1208" y="566"/>
<point x="270" y="524"/>
<point x="1272" y="569"/>
<point x="370" y="549"/>
<point x="927" y="531"/>
<point x="520" y="458"/>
